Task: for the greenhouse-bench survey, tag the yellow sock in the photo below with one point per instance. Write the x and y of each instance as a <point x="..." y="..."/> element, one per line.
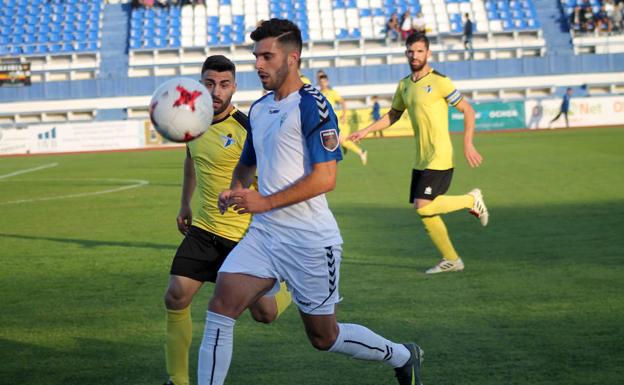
<point x="443" y="204"/>
<point x="352" y="146"/>
<point x="179" y="334"/>
<point x="282" y="298"/>
<point x="439" y="235"/>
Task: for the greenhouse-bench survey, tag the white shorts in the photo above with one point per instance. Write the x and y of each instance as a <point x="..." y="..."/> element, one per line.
<point x="311" y="274"/>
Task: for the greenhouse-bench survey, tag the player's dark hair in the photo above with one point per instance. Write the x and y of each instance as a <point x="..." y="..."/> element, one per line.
<point x="416" y="37"/>
<point x="218" y="63"/>
<point x="286" y="32"/>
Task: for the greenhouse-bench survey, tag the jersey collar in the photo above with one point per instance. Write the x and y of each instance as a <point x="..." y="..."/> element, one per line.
<point x="416" y="81"/>
<point x="225" y="117"/>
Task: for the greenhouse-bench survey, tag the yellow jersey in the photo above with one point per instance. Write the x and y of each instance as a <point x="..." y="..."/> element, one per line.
<point x="305" y="79"/>
<point x="427" y="101"/>
<point x="332" y="96"/>
<point x="215" y="154"/>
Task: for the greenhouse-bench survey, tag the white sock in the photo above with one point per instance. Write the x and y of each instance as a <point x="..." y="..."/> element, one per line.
<point x="215" y="352"/>
<point x="361" y="343"/>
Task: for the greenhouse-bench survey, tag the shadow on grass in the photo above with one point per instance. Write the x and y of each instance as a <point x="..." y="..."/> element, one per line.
<point x="89" y="243"/>
<point x="84" y="362"/>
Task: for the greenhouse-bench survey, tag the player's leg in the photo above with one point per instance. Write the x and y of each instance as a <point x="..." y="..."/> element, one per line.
<point x="246" y="275"/>
<point x="178" y="297"/>
<point x="351" y="146"/>
<point x="565" y="115"/>
<point x="269" y="307"/>
<point x="424" y="190"/>
<point x="313" y="276"/>
<point x="556" y="117"/>
<point x="233" y="294"/>
<point x="197" y="260"/>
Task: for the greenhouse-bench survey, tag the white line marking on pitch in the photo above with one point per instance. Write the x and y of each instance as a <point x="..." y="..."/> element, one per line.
<point x="49" y="165"/>
<point x="136" y="183"/>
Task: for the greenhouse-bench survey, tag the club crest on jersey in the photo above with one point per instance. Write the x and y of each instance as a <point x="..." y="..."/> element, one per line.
<point x="227" y="140"/>
<point x="282" y="119"/>
<point x="428" y="89"/>
<point x="329" y="139"/>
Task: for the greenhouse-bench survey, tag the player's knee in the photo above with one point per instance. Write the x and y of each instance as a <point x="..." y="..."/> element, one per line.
<point x="176" y="301"/>
<point x="263" y="316"/>
<point x="323" y="341"/>
<point x="423" y="212"/>
<point x="227" y="308"/>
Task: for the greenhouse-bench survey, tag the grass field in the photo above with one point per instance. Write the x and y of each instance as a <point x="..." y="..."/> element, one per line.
<point x="540" y="302"/>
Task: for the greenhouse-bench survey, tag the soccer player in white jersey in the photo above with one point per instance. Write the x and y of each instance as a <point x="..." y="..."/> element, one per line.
<point x="293" y="237"/>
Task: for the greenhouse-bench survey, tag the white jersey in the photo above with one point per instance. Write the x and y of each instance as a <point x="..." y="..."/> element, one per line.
<point x="286" y="139"/>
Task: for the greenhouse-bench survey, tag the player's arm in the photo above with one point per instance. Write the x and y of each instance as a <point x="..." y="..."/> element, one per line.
<point x="243" y="176"/>
<point x="470" y="152"/>
<point x="320" y="180"/>
<point x="387" y="120"/>
<point x="185" y="215"/>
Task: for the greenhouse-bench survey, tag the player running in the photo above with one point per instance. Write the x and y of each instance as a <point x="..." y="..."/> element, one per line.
<point x="335" y="99"/>
<point x="426" y="94"/>
<point x="293" y="236"/>
<point x="209" y="237"/>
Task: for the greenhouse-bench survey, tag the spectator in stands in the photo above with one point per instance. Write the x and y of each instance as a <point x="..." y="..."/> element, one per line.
<point x="147" y="3"/>
<point x="406" y="25"/>
<point x="468" y="35"/>
<point x="575" y="19"/>
<point x="393" y="29"/>
<point x="587" y="19"/>
<point x="603" y="22"/>
<point x="610" y="8"/>
<point x="618" y="17"/>
<point x="420" y="24"/>
<point x="565" y="107"/>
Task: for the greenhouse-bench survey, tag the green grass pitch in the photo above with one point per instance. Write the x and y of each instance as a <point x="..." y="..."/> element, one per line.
<point x="540" y="302"/>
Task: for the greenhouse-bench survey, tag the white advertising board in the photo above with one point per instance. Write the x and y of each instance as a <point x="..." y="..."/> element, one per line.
<point x="584" y="112"/>
<point x="73" y="137"/>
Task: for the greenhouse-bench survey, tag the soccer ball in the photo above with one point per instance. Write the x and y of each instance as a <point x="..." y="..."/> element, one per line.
<point x="181" y="109"/>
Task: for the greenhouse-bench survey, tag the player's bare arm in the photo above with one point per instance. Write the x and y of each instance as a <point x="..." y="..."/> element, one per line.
<point x="185" y="215"/>
<point x="471" y="154"/>
<point x="242" y="177"/>
<point x="386" y="121"/>
<point x="322" y="179"/>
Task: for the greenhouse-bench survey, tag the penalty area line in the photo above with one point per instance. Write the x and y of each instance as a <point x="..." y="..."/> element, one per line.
<point x="20" y="172"/>
<point x="136" y="183"/>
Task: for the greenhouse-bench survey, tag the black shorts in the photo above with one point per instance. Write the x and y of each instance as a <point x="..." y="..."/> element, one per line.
<point x="428" y="184"/>
<point x="200" y="255"/>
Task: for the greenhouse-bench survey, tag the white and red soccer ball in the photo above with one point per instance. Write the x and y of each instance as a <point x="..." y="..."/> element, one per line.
<point x="181" y="109"/>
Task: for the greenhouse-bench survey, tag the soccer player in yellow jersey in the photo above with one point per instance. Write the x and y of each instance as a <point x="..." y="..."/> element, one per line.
<point x="334" y="98"/>
<point x="210" y="236"/>
<point x="426" y="94"/>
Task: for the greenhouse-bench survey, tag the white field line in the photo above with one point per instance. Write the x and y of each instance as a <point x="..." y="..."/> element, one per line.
<point x="135" y="184"/>
<point x="20" y="172"/>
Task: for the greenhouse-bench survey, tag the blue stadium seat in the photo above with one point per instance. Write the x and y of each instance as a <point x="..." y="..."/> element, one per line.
<point x="67" y="47"/>
<point x="225" y="40"/>
<point x="174" y="42"/>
